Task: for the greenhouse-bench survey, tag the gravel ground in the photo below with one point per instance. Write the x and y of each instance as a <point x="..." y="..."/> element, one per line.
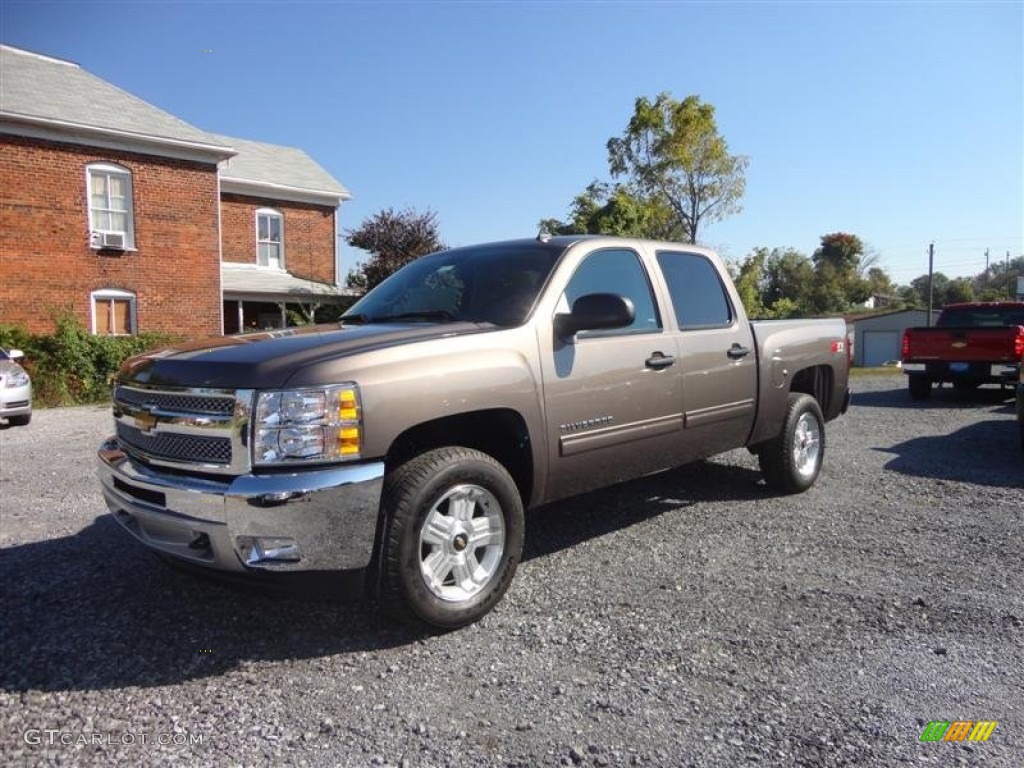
<point x="691" y="618"/>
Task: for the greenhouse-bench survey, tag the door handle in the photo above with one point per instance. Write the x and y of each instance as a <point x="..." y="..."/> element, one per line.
<point x="736" y="351"/>
<point x="657" y="361"/>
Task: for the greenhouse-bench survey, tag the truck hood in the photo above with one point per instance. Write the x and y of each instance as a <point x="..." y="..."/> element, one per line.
<point x="268" y="360"/>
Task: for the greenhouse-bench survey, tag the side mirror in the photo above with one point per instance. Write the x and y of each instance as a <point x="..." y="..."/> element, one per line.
<point x="15" y="354"/>
<point x="595" y="311"/>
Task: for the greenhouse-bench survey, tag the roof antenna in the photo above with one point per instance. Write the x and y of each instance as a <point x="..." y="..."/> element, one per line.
<point x="543" y="236"/>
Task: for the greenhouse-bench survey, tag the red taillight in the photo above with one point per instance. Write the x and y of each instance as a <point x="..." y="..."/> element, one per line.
<point x="905" y="352"/>
<point x="839" y="346"/>
<point x="1018" y="345"/>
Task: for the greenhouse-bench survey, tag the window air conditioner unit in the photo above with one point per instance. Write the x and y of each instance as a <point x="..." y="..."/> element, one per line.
<point x="101" y="240"/>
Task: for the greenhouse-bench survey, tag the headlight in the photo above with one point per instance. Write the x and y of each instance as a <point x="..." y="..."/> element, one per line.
<point x="298" y="426"/>
<point x="18" y="379"/>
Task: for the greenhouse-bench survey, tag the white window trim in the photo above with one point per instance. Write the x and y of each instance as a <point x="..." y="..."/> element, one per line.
<point x="112" y="168"/>
<point x="114" y="293"/>
<point x="256" y="221"/>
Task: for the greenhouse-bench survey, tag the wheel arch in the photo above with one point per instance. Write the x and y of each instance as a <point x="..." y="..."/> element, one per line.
<point x="501" y="433"/>
<point x="818" y="382"/>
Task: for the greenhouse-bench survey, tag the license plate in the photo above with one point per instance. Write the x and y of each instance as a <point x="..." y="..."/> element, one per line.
<point x="959" y="367"/>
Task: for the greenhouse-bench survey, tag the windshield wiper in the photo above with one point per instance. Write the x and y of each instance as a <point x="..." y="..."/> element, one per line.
<point x="431" y="314"/>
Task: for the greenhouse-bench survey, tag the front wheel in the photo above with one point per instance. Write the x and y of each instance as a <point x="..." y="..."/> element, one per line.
<point x="792" y="461"/>
<point x="453" y="537"/>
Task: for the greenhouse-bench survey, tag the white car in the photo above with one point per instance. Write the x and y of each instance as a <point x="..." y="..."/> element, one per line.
<point x="15" y="389"/>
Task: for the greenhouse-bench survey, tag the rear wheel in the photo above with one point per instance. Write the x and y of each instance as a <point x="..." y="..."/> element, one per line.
<point x="453" y="537"/>
<point x="792" y="461"/>
<point x="920" y="387"/>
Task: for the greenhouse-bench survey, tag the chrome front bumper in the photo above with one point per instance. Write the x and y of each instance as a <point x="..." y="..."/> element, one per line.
<point x="313" y="520"/>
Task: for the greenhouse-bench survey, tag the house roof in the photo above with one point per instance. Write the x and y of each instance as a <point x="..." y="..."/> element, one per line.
<point x="48" y="94"/>
<point x="278" y="170"/>
<point x="855" y="317"/>
<point x="248" y="282"/>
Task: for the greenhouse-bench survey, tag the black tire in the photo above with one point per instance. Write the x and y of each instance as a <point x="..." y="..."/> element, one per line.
<point x="920" y="387"/>
<point x="1020" y="414"/>
<point x="478" y="492"/>
<point x="791" y="462"/>
<point x="20" y="421"/>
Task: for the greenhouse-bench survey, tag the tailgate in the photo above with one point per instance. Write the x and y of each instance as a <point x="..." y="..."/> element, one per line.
<point x="963" y="344"/>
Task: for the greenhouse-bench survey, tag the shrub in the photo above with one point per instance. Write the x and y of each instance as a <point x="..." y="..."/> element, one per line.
<point x="71" y="366"/>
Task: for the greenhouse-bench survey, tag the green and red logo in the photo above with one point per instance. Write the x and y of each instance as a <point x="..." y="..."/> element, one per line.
<point x="958" y="730"/>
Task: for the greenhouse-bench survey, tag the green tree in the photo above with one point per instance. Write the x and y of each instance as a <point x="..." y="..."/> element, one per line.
<point x="671" y="152"/>
<point x="748" y="277"/>
<point x="879" y="283"/>
<point x="789" y="277"/>
<point x="940" y="284"/>
<point x="960" y="289"/>
<point x="1000" y="282"/>
<point x="393" y="239"/>
<point x="773" y="283"/>
<point x="838" y="264"/>
<point x="613" y="210"/>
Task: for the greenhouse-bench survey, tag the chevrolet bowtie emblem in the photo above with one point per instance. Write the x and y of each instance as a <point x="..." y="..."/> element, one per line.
<point x="146" y="421"/>
<point x="959" y="344"/>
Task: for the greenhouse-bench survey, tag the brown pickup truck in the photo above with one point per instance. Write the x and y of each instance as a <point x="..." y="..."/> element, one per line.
<point x="970" y="344"/>
<point x="403" y="445"/>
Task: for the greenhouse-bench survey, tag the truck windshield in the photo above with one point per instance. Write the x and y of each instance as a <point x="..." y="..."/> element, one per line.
<point x="496" y="284"/>
<point x="981" y="317"/>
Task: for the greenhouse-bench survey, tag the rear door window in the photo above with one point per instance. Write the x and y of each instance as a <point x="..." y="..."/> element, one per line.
<point x="698" y="296"/>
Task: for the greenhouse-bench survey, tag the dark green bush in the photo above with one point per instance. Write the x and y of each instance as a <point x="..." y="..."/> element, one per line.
<point x="71" y="366"/>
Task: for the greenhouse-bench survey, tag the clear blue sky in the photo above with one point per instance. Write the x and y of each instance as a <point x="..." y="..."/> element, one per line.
<point x="900" y="122"/>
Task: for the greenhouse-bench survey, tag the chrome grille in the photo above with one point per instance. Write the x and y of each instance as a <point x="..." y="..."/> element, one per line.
<point x="173" y="401"/>
<point x="185" y="428"/>
<point x="187" y="448"/>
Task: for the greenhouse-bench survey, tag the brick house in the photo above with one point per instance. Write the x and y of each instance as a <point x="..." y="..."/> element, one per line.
<point x="133" y="220"/>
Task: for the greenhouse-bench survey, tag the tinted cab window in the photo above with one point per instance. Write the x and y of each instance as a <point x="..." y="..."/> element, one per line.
<point x="617" y="271"/>
<point x="698" y="296"/>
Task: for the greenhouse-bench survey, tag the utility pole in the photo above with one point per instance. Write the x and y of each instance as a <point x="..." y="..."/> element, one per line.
<point x="1009" y="288"/>
<point x="986" y="269"/>
<point x="931" y="264"/>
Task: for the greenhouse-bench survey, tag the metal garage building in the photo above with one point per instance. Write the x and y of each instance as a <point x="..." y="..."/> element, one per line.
<point x="877" y="338"/>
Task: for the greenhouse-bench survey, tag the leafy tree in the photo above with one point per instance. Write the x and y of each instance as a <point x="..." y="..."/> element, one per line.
<point x="909" y="297"/>
<point x="775" y="283"/>
<point x="748" y="277"/>
<point x="393" y="239"/>
<point x="1000" y="282"/>
<point x="789" y="277"/>
<point x="940" y="284"/>
<point x="613" y="210"/>
<point x="959" y="289"/>
<point x="879" y="282"/>
<point x="838" y="264"/>
<point x="671" y="153"/>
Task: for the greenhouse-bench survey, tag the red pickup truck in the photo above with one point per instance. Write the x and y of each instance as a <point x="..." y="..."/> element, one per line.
<point x="970" y="344"/>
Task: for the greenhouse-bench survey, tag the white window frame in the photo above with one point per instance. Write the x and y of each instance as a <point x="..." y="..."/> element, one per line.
<point x="125" y="174"/>
<point x="109" y="294"/>
<point x="273" y="213"/>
